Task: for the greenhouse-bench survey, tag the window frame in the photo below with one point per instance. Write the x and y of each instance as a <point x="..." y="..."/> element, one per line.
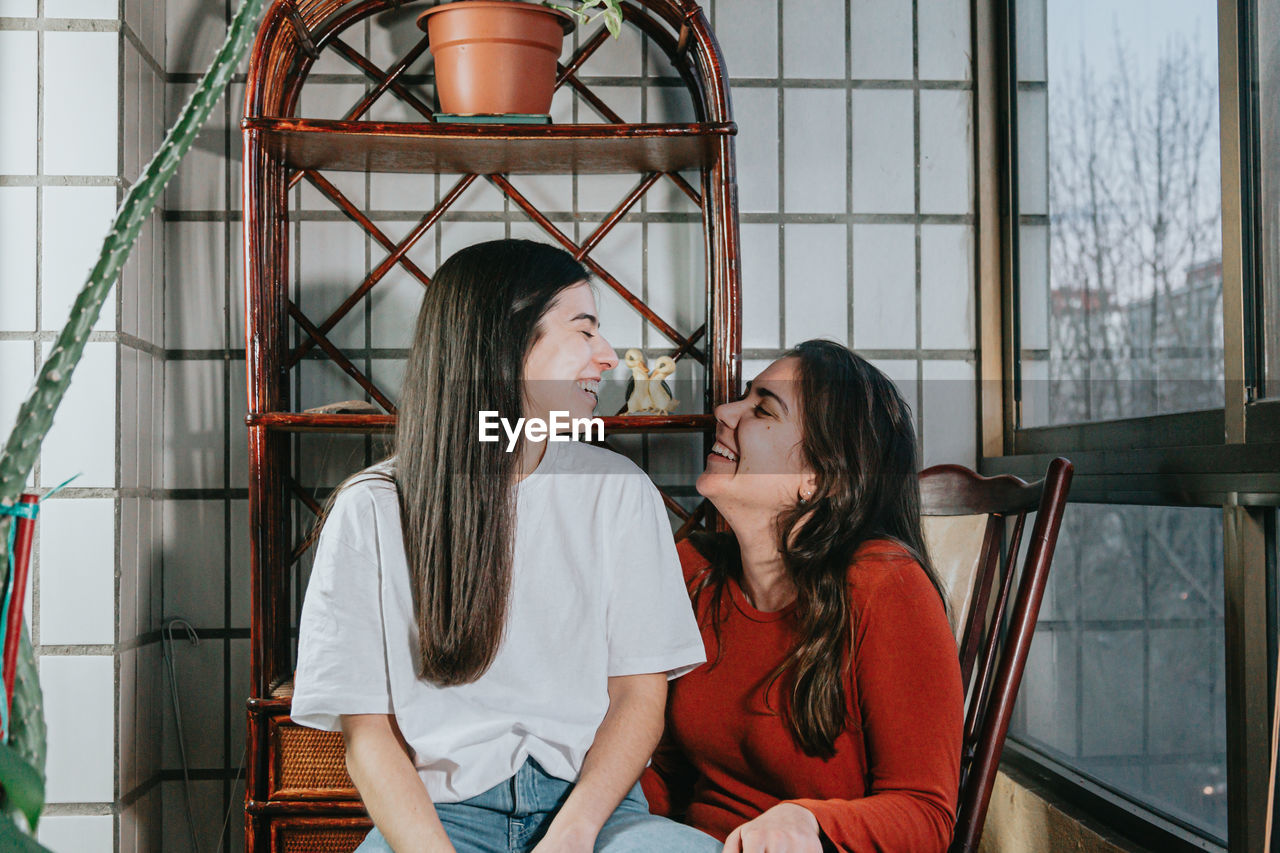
<point x="1228" y="457"/>
<point x="1151" y="830"/>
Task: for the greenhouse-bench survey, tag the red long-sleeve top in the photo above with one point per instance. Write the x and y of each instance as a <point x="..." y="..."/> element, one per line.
<point x="727" y="755"/>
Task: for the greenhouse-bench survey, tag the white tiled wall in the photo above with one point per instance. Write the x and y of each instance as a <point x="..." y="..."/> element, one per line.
<point x="946" y="169"/>
<point x="74" y="220"/>
<point x="884" y="317"/>
<point x="880" y="39"/>
<point x="77" y="832"/>
<point x="141" y="312"/>
<point x="81" y="100"/>
<point x="816" y="269"/>
<point x="80" y="96"/>
<point x="855" y="179"/>
<point x="17" y="251"/>
<point x="77" y="572"/>
<point x="814" y="131"/>
<point x="19" y="70"/>
<point x="856" y="188"/>
<point x="78" y="694"/>
<point x="883" y="151"/>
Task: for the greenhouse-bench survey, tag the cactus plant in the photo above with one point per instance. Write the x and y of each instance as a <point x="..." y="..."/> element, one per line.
<point x="23" y="759"/>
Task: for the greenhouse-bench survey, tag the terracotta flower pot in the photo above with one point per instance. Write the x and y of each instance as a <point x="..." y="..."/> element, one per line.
<point x="495" y="56"/>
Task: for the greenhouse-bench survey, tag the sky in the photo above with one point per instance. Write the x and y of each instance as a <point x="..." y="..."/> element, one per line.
<point x="1143" y="27"/>
<point x="1105" y="33"/>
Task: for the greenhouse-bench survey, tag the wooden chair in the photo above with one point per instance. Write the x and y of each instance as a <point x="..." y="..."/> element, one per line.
<point x="973" y="528"/>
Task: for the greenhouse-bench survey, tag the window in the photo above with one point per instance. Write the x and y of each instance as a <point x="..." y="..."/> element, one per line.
<point x="1269" y="169"/>
<point x="1120" y="209"/>
<point x="1133" y="165"/>
<point x="1126" y="682"/>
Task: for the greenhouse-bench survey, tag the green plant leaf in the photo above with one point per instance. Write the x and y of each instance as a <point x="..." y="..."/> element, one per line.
<point x="613" y="20"/>
<point x="568" y="10"/>
<point x="14" y="839"/>
<point x="612" y="13"/>
<point x="26" y="717"/>
<point x="23" y="785"/>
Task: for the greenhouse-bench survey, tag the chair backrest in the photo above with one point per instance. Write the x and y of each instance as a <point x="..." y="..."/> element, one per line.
<point x="957" y="546"/>
<point x="973" y="528"/>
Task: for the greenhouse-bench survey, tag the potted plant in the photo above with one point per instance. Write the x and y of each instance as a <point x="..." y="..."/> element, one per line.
<point x="498" y="57"/>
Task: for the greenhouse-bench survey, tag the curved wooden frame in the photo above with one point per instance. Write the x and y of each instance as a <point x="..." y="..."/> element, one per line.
<point x="290" y="39"/>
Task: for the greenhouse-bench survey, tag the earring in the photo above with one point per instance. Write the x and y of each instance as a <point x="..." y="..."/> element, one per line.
<point x="804" y="499"/>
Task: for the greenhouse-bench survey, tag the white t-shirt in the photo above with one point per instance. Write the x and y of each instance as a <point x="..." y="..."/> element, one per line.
<point x="596" y="591"/>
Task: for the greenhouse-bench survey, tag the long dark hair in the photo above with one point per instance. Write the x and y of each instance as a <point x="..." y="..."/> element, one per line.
<point x="479" y="319"/>
<point x="857" y="437"/>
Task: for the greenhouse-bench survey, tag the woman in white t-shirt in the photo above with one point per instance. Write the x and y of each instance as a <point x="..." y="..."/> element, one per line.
<point x="492" y="631"/>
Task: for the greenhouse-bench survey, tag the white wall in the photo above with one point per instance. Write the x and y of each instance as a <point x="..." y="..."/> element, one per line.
<point x="80" y="97"/>
<point x="854" y="162"/>
<point x="855" y="167"/>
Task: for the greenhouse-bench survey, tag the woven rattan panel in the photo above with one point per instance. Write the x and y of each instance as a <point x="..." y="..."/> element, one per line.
<point x="323" y="839"/>
<point x="309" y="764"/>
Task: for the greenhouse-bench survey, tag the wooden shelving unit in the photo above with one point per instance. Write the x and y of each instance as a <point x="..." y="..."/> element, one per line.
<point x="371" y="424"/>
<point x="298" y="797"/>
<point x="506" y="149"/>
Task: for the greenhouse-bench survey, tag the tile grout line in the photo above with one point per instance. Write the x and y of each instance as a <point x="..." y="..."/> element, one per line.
<point x="646" y="446"/>
<point x="139" y="791"/>
<point x="848" y="173"/>
<point x="123" y="339"/>
<point x="368" y="264"/>
<point x="563" y="216"/>
<point x="157" y="508"/>
<point x="35" y="568"/>
<point x="60" y="181"/>
<point x="915" y="158"/>
<point x="78" y="650"/>
<point x="143" y="52"/>
<point x="228" y="135"/>
<point x="79" y="809"/>
<point x="122" y="82"/>
<point x="574" y="112"/>
<point x="658" y="81"/>
<point x="41" y="24"/>
<point x="781" y="204"/>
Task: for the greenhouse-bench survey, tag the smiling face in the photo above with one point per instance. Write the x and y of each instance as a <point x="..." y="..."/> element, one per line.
<point x="757" y="466"/>
<point x="563" y="369"/>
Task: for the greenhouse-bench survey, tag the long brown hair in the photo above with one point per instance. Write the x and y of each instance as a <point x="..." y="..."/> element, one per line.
<point x="857" y="437"/>
<point x="479" y="319"/>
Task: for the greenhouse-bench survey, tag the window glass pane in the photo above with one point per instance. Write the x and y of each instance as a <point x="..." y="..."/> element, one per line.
<point x="1120" y="275"/>
<point x="1269" y="123"/>
<point x="1125" y="680"/>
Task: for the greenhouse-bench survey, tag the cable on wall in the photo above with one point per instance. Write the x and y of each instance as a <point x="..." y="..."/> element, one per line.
<point x="193" y="639"/>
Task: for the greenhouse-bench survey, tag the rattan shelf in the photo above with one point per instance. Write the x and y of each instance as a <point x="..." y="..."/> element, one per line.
<point x="297" y="795"/>
<point x="498" y="149"/>
<point x="373" y="424"/>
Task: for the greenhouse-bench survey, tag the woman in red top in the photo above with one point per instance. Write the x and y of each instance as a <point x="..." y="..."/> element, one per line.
<point x="830" y="712"/>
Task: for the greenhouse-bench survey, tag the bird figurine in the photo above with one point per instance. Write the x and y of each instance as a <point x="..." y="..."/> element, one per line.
<point x="647" y="392"/>
<point x="638" y="388"/>
<point x="660" y="399"/>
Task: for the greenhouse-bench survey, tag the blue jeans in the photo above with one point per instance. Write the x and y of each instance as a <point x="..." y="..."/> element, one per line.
<point x="512" y="816"/>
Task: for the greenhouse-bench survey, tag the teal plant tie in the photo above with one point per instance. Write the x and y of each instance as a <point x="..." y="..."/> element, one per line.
<point x="18" y="510"/>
